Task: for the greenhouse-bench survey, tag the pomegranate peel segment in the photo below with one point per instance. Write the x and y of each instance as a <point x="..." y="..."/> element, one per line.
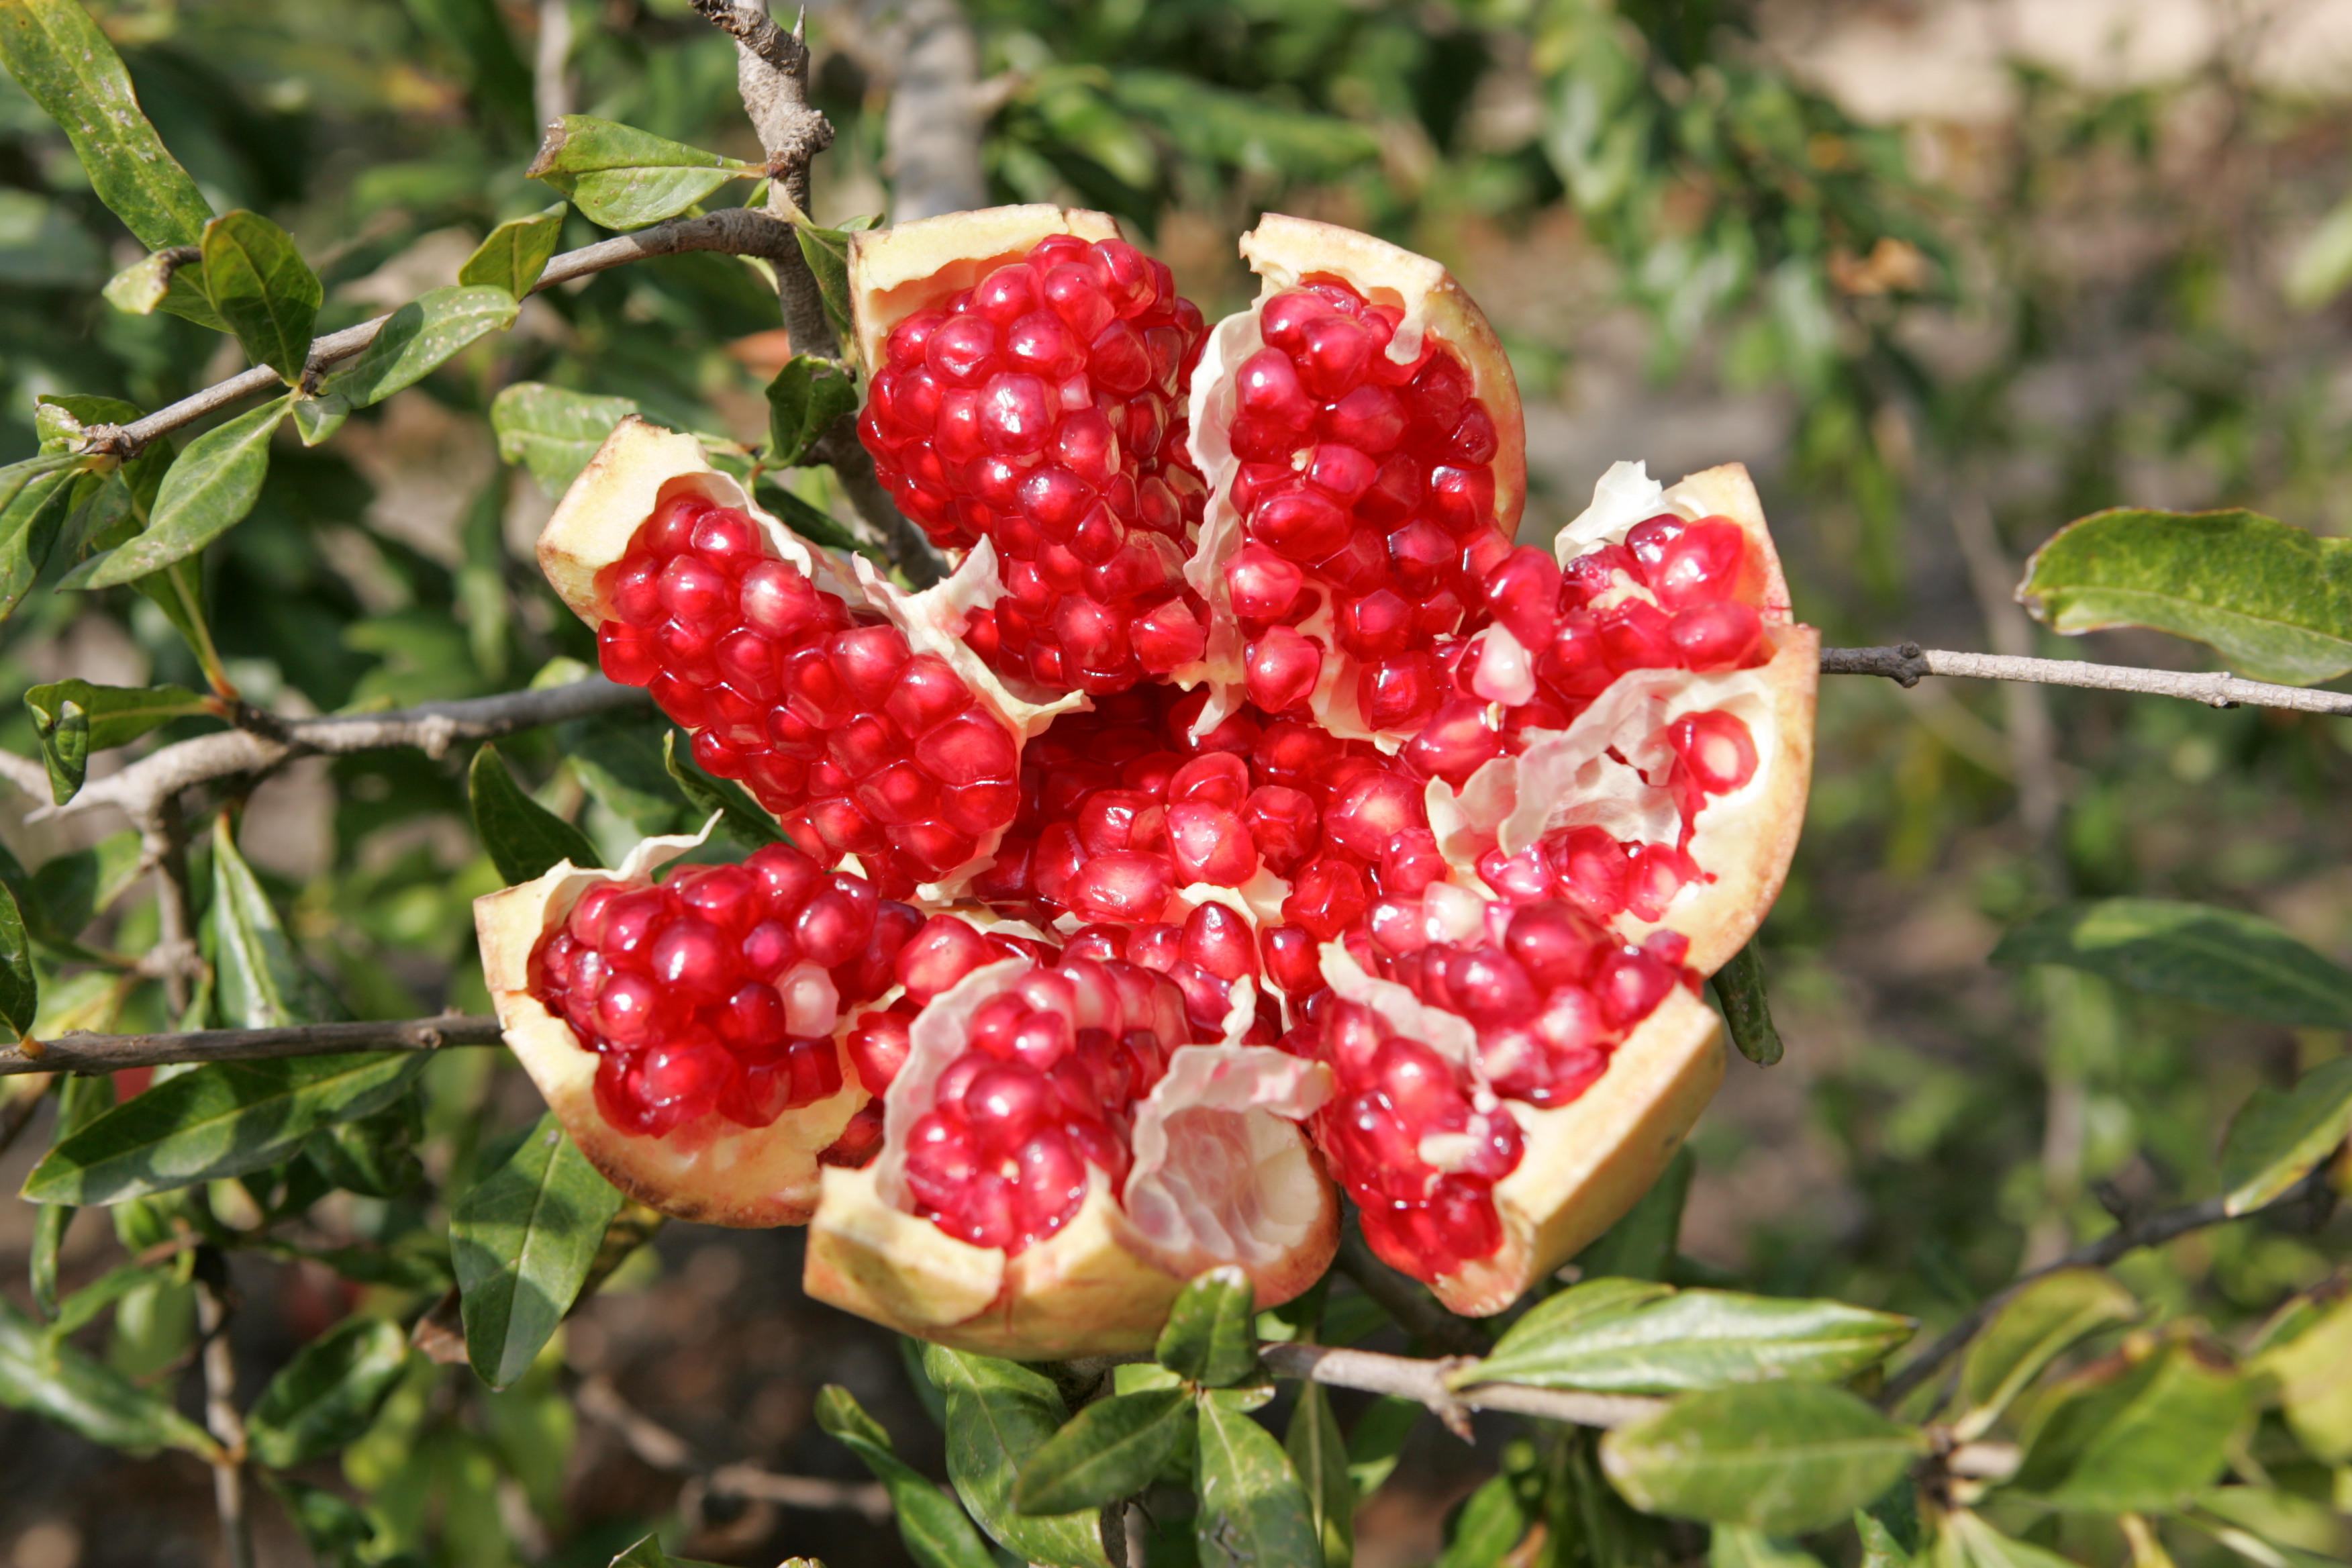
<point x="897" y="271"/>
<point x="710" y="1170"/>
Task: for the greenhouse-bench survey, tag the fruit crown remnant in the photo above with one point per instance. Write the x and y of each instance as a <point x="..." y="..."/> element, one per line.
<point x="1247" y="820"/>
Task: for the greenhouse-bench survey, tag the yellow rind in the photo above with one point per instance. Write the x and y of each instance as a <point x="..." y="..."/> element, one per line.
<point x="895" y="272"/>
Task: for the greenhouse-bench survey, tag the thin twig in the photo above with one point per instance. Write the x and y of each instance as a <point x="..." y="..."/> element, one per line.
<point x="1408" y="1377"/>
<point x="86" y="1053"/>
<point x="2153" y="1231"/>
<point x="221" y="1417"/>
<point x="664" y="1450"/>
<point x="1906" y="663"/>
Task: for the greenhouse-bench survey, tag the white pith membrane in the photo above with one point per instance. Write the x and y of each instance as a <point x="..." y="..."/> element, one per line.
<point x="641" y="465"/>
<point x="1286" y="252"/>
<point x="1222" y="1175"/>
<point x="895" y="272"/>
<point x="710" y="1170"/>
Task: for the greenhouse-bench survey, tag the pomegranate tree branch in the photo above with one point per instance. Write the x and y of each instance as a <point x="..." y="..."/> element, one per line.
<point x="1908" y="662"/>
<point x="86" y="1053"/>
<point x="664" y="1450"/>
<point x="214" y="1301"/>
<point x="1429" y="1382"/>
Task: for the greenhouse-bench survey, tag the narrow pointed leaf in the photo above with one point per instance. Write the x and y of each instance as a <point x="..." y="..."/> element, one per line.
<point x="999" y="1414"/>
<point x="1782" y="1457"/>
<point x="171" y="280"/>
<point x="2310" y="1375"/>
<point x="64" y="62"/>
<point x="516" y="253"/>
<point x="625" y="178"/>
<point x="1739" y="987"/>
<point x="553" y="432"/>
<point x="417" y="339"/>
<point x="1378" y="1439"/>
<point x="1964" y="1541"/>
<point x="1493" y="1520"/>
<point x="220" y="1120"/>
<point x="328" y="1393"/>
<point x="207" y="491"/>
<point x="808" y="397"/>
<point x="826" y="251"/>
<point x="2275" y="600"/>
<point x="73" y="718"/>
<point x="2037" y="1324"/>
<point x="936" y="1531"/>
<point x="35" y="497"/>
<point x="739" y="815"/>
<point x="20" y="988"/>
<point x="1254" y="1513"/>
<point x="1695" y="1339"/>
<point x="64" y="1385"/>
<point x="525" y="839"/>
<point x="1320" y="1456"/>
<point x="1210" y="1337"/>
<point x="522" y="1240"/>
<point x="263" y="982"/>
<point x="1879" y="1547"/>
<point x="262" y="288"/>
<point x="2278" y="1139"/>
<point x="2221" y="959"/>
<point x="2137" y="1438"/>
<point x="80" y="1101"/>
<point x="1109" y="1450"/>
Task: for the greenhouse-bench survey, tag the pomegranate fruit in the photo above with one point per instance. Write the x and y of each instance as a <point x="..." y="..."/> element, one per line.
<point x="1245" y="813"/>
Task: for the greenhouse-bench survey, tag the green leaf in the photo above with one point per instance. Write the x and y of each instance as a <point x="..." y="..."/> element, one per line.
<point x="625" y="178"/>
<point x="2287" y="1518"/>
<point x="1109" y="1450"/>
<point x="219" y="1119"/>
<point x="374" y="1156"/>
<point x="328" y="1393"/>
<point x="263" y="983"/>
<point x="20" y="988"/>
<point x="1734" y="1546"/>
<point x="1254" y="1513"/>
<point x="171" y="281"/>
<point x="1966" y="1541"/>
<point x="417" y="339"/>
<point x="263" y="288"/>
<point x="2277" y="1139"/>
<point x="335" y="1528"/>
<point x="1740" y="989"/>
<point x="2037" y="1323"/>
<point x="999" y="1414"/>
<point x="316" y="419"/>
<point x="1378" y="1439"/>
<point x="522" y="1239"/>
<point x="739" y="814"/>
<point x="1782" y="1457"/>
<point x="648" y="1553"/>
<point x="1319" y="1457"/>
<point x="35" y="496"/>
<point x="2275" y="600"/>
<point x="61" y="1383"/>
<point x="71" y="890"/>
<point x="2321" y="264"/>
<point x="2133" y="1437"/>
<point x="62" y="60"/>
<point x="2311" y="1378"/>
<point x="1210" y="1337"/>
<point x="209" y="491"/>
<point x="808" y="395"/>
<point x="553" y="432"/>
<point x="1696" y="1339"/>
<point x="2221" y="959"/>
<point x="1493" y="1520"/>
<point x="826" y="251"/>
<point x="63" y="421"/>
<point x="516" y="253"/>
<point x="936" y="1530"/>
<point x="1879" y="1547"/>
<point x="80" y="1101"/>
<point x="525" y="839"/>
<point x="73" y="718"/>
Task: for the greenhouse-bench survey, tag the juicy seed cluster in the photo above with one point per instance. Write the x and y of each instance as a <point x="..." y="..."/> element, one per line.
<point x="1044" y="409"/>
<point x="719" y="990"/>
<point x="1045" y="1090"/>
<point x="828" y="714"/>
<point x="1367" y="492"/>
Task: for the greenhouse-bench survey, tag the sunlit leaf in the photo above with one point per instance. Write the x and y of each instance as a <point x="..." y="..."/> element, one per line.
<point x="61" y="1383"/>
<point x="525" y="839"/>
<point x="2278" y="1139"/>
<point x="328" y="1393"/>
<point x="553" y="432"/>
<point x="2133" y="1437"/>
<point x="262" y="980"/>
<point x="72" y="719"/>
<point x="1253" y="1509"/>
<point x="1493" y="1520"/>
<point x="35" y="496"/>
<point x="522" y="1238"/>
<point x="417" y="339"/>
<point x="1319" y="1457"/>
<point x="999" y="1414"/>
<point x="625" y="178"/>
<point x="806" y="399"/>
<point x="1210" y="1337"/>
<point x="1782" y="1457"/>
<point x="2310" y="1375"/>
<point x="516" y="252"/>
<point x="2031" y="1329"/>
<point x="208" y="490"/>
<point x="1109" y="1450"/>
<point x="1696" y="1339"/>
<point x="260" y="286"/>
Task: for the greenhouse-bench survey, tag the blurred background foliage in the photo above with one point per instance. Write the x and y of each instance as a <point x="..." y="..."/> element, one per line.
<point x="1945" y="275"/>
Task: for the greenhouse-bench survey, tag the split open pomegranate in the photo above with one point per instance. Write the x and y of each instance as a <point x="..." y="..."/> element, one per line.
<point x="1261" y="812"/>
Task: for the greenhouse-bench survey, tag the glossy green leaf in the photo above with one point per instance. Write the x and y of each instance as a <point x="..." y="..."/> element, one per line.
<point x="20" y="988"/>
<point x="1735" y="1546"/>
<point x="374" y="1156"/>
<point x="525" y="839"/>
<point x="808" y="397"/>
<point x="2310" y="1375"/>
<point x="2286" y="1517"/>
<point x="2031" y="1329"/>
<point x="1493" y="1520"/>
<point x="72" y="719"/>
<point x="1879" y="1547"/>
<point x="1782" y="1457"/>
<point x="35" y="497"/>
<point x="999" y="1412"/>
<point x="625" y="178"/>
<point x="1695" y="1339"/>
<point x="2221" y="959"/>
<point x="171" y="280"/>
<point x="262" y="288"/>
<point x="1378" y="1439"/>
<point x="61" y="1383"/>
<point x="63" y="421"/>
<point x="739" y="815"/>
<point x="80" y="1101"/>
<point x="826" y="251"/>
<point x="1210" y="1337"/>
<point x="2278" y="1139"/>
<point x="336" y="1530"/>
<point x="553" y="432"/>
<point x="316" y="419"/>
<point x="522" y="1239"/>
<point x="90" y="1303"/>
<point x="1253" y="1512"/>
<point x="1964" y="1541"/>
<point x="416" y="340"/>
<point x="1740" y="989"/>
<point x="262" y="981"/>
<point x="2275" y="600"/>
<point x="2133" y="1437"/>
<point x="1319" y="1457"/>
<point x="220" y="1120"/>
<point x="328" y="1393"/>
<point x="72" y="889"/>
<point x="209" y="491"/>
<point x="516" y="253"/>
<point x="936" y="1531"/>
<point x="62" y="60"/>
<point x="1109" y="1450"/>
